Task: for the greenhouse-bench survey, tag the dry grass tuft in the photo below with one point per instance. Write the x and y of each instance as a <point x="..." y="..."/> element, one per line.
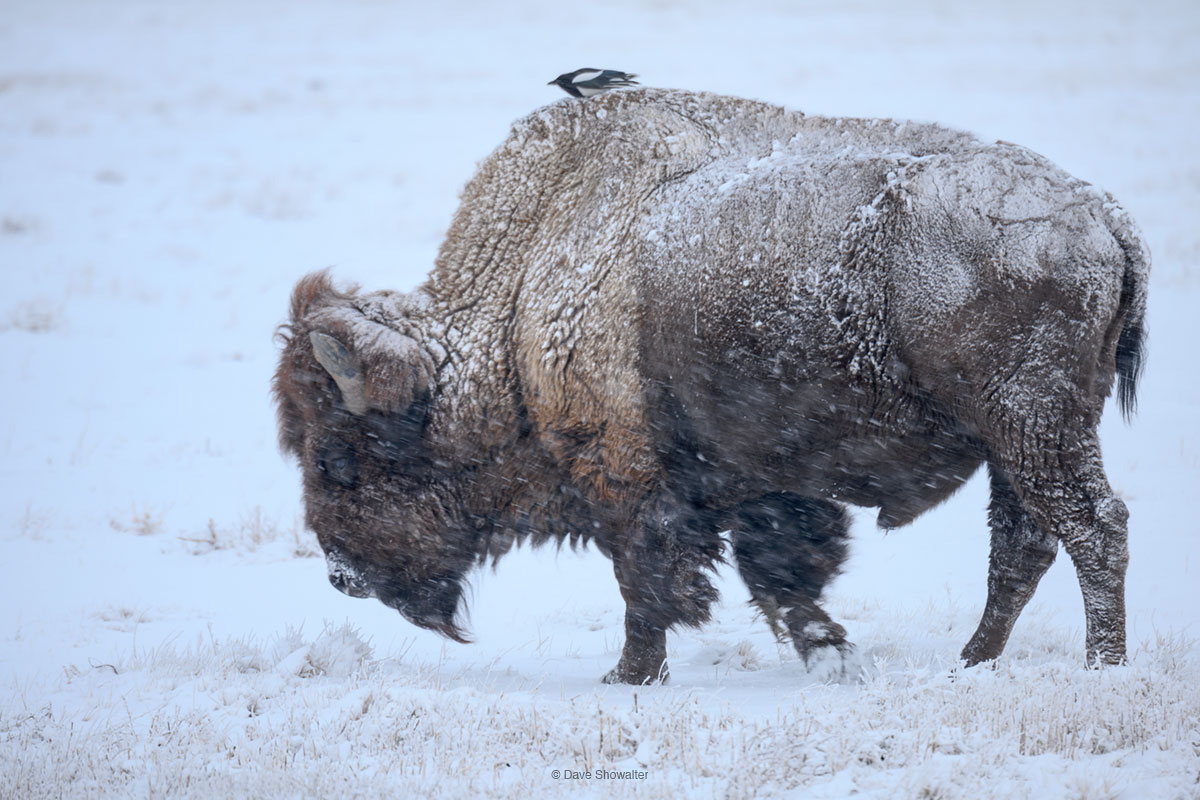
<point x="144" y="522"/>
<point x="252" y="532"/>
<point x="320" y="718"/>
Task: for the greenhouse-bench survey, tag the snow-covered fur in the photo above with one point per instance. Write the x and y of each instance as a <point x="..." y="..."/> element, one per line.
<point x="661" y="314"/>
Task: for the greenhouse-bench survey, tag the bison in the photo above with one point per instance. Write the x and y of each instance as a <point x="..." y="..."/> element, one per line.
<point x="662" y="315"/>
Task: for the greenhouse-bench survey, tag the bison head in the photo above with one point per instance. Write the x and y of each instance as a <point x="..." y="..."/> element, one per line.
<point x="354" y="389"/>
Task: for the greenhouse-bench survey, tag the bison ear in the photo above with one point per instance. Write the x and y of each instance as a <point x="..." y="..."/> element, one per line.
<point x="337" y="361"/>
<point x="386" y="370"/>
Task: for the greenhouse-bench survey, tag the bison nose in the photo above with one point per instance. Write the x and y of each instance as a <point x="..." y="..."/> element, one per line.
<point x="346" y="586"/>
<point x="344" y="577"/>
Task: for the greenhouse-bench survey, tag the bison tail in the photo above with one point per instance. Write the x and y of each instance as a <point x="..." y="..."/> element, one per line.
<point x="1131" y="343"/>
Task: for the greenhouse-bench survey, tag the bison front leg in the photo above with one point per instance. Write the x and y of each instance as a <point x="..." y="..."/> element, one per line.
<point x="644" y="656"/>
<point x="661" y="567"/>
<point x="1021" y="554"/>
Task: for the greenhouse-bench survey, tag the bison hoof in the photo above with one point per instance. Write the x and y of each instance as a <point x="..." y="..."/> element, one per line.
<point x="637" y="677"/>
<point x="814" y="635"/>
<point x="1096" y="659"/>
<point x="828" y="657"/>
<point x="980" y="650"/>
<point x="834" y="664"/>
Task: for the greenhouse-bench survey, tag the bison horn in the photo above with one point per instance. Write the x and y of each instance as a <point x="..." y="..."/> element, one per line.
<point x="335" y="358"/>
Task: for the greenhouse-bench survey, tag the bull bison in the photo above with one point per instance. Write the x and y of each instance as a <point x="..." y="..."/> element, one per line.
<point x="660" y="315"/>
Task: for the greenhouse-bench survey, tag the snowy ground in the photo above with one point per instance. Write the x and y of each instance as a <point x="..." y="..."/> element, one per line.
<point x="168" y="170"/>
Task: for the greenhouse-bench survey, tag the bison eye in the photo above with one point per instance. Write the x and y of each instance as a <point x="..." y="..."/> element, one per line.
<point x="338" y="462"/>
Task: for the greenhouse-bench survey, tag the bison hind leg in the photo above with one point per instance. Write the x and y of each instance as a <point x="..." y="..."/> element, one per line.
<point x="1068" y="500"/>
<point x="787" y="549"/>
<point x="1020" y="555"/>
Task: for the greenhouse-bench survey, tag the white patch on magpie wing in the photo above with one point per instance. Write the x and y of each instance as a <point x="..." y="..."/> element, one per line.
<point x="586" y="76"/>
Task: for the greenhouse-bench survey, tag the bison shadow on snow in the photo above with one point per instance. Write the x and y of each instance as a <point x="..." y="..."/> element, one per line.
<point x="660" y="315"/>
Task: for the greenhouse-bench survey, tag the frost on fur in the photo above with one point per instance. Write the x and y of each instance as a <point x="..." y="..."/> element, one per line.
<point x="693" y="313"/>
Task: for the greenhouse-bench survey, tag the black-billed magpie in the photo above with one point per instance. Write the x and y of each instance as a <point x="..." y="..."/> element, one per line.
<point x="589" y="81"/>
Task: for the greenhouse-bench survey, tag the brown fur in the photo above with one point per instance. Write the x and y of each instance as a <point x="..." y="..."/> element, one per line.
<point x="656" y="323"/>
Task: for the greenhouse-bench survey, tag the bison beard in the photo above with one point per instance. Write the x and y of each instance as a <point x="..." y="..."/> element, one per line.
<point x="659" y="316"/>
<point x="431" y="605"/>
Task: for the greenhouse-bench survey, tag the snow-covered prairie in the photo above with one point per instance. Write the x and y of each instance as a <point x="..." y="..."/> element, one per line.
<point x="168" y="170"/>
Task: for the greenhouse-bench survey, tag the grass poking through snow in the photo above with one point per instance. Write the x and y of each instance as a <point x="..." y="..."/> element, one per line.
<point x="319" y="717"/>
